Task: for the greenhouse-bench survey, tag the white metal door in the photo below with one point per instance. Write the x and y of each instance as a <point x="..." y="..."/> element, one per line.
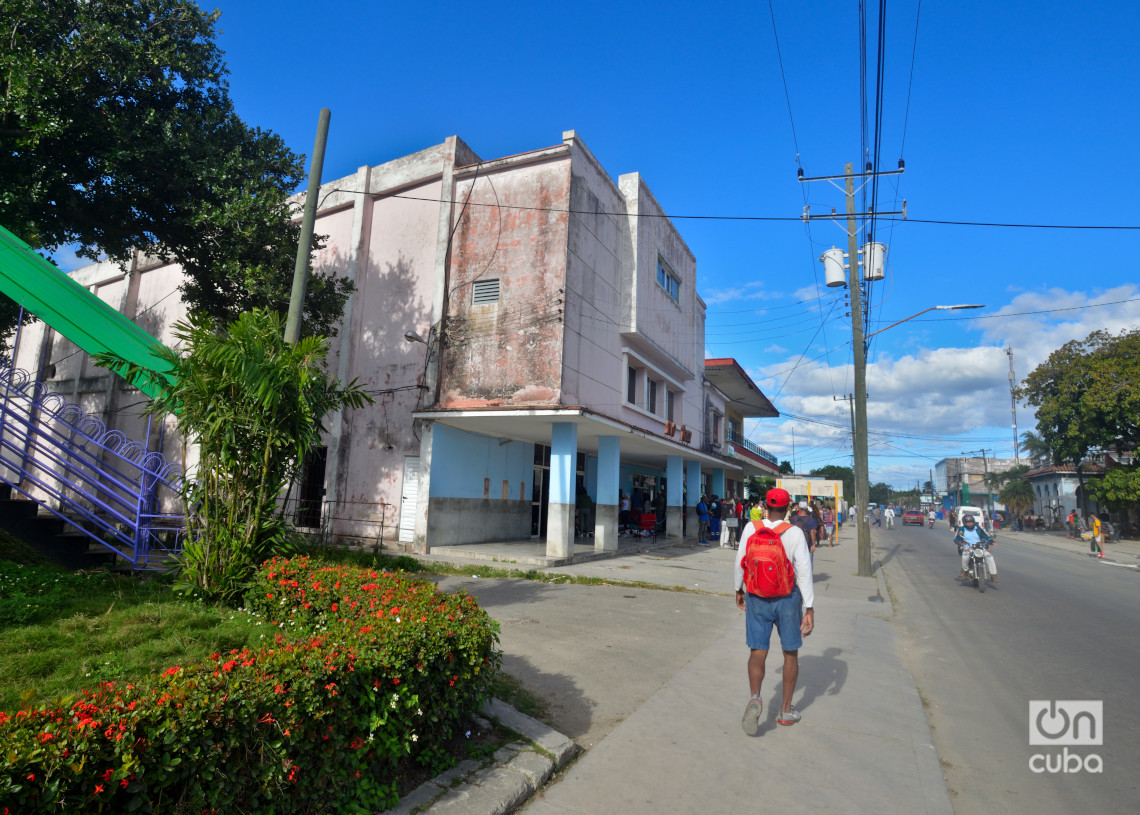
<point x="409" y="498"/>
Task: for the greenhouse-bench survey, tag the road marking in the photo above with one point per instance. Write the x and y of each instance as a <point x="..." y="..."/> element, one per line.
<point x="1121" y="565"/>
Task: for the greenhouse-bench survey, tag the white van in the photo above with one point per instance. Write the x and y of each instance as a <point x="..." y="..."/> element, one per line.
<point x="961" y="512"/>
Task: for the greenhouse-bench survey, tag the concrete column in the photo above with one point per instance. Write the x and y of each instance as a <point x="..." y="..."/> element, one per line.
<point x="609" y="473"/>
<point x="339" y="445"/>
<point x="718" y="482"/>
<point x="421" y="537"/>
<point x="693" y="486"/>
<point x="560" y="513"/>
<point x="674" y="496"/>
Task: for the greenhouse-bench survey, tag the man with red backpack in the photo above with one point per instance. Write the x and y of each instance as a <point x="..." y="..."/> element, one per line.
<point x="773" y="581"/>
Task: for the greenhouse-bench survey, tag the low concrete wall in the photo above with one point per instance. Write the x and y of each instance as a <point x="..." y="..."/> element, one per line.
<point x="476" y="520"/>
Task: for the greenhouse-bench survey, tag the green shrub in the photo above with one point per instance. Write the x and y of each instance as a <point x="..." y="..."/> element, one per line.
<point x="369" y="675"/>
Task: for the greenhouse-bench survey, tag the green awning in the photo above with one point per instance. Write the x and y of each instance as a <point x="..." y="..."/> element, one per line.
<point x="70" y="309"/>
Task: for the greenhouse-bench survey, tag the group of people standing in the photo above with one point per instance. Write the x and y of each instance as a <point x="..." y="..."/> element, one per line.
<point x="820" y="523"/>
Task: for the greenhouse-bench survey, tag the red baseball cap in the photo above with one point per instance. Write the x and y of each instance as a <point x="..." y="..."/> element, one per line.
<point x="777" y="498"/>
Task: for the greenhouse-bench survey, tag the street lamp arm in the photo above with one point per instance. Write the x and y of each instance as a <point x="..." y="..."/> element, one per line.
<point x="919" y="314"/>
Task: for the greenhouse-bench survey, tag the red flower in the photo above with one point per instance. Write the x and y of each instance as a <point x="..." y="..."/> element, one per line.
<point x="98" y="789"/>
<point x="171" y="671"/>
<point x="229" y="666"/>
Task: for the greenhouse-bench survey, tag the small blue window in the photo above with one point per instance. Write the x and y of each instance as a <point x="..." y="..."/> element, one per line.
<point x="669" y="281"/>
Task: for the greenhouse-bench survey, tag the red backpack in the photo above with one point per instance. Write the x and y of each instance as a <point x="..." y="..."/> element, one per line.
<point x="767" y="570"/>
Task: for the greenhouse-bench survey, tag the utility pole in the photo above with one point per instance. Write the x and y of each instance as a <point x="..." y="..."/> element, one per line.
<point x="854" y="286"/>
<point x="305" y="244"/>
<point x="1013" y="403"/>
<point x="859" y="346"/>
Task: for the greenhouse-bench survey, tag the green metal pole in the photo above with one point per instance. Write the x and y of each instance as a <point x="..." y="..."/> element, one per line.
<point x="305" y="244"/>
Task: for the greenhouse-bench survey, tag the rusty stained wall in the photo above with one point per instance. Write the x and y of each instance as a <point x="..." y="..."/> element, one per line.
<point x="509" y="353"/>
<point x="393" y="295"/>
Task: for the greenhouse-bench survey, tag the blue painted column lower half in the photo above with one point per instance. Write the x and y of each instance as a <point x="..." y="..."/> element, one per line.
<point x="718" y="482"/>
<point x="674" y="496"/>
<point x="560" y="512"/>
<point x="609" y="474"/>
<point x="693" y="487"/>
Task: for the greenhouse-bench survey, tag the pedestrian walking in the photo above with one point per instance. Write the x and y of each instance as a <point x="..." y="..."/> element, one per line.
<point x="790" y="610"/>
<point x="889" y="514"/>
<point x="702" y="522"/>
<point x="829" y="526"/>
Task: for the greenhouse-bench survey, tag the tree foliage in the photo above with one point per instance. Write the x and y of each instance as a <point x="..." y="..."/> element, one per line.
<point x="1018" y="495"/>
<point x="786" y="467"/>
<point x="254" y="404"/>
<point x="834" y="472"/>
<point x="1087" y="395"/>
<point x="117" y="133"/>
<point x="1119" y="489"/>
<point x="1033" y="446"/>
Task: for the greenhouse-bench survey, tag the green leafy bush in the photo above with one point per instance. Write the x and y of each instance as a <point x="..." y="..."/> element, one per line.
<point x="369" y="675"/>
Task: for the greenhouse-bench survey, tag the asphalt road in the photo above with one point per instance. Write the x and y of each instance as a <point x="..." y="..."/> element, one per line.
<point x="1060" y="627"/>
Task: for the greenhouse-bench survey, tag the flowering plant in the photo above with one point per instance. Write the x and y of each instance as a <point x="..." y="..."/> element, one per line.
<point x="368" y="674"/>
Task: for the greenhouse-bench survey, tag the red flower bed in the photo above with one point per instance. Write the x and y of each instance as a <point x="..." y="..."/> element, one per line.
<point x="372" y="672"/>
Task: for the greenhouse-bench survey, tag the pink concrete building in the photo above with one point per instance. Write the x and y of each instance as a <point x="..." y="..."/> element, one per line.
<point x="529" y="328"/>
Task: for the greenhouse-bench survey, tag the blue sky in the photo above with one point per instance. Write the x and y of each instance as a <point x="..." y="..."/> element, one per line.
<point x="1018" y="113"/>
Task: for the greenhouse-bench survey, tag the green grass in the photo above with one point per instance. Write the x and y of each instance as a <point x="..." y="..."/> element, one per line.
<point x="546" y="577"/>
<point x="65" y="631"/>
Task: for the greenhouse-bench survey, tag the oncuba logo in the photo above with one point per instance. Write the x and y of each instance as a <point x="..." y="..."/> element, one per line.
<point x="1066" y="723"/>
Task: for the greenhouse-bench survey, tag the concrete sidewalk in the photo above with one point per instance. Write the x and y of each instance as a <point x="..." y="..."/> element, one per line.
<point x="863" y="744"/>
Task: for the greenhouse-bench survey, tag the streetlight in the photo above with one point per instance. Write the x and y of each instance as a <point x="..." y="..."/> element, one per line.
<point x="862" y="478"/>
<point x="911" y="317"/>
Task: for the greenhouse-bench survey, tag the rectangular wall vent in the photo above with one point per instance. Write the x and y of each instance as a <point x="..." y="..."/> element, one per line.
<point x="484" y="292"/>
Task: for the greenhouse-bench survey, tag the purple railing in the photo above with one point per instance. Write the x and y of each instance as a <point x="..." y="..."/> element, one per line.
<point x="97" y="480"/>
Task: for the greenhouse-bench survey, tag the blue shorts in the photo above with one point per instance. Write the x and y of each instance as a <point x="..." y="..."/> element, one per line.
<point x="786" y="613"/>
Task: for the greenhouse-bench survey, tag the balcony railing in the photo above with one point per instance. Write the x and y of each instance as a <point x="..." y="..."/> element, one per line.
<point x="738" y="439"/>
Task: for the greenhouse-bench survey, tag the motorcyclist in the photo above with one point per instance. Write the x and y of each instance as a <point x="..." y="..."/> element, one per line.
<point x="930" y="517"/>
<point x="969" y="533"/>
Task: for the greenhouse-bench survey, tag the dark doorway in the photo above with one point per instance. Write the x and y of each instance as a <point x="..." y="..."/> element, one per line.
<point x="312" y="488"/>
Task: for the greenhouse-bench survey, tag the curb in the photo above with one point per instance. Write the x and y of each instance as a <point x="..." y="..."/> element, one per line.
<point x="515" y="773"/>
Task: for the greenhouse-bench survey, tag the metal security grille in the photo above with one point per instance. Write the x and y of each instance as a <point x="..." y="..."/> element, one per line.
<point x="484" y="292"/>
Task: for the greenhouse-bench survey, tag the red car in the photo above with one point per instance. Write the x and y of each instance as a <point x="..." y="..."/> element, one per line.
<point x="913" y="516"/>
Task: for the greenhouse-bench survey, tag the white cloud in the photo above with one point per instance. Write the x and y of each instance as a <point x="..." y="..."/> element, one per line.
<point x="753" y="290"/>
<point x="956" y="399"/>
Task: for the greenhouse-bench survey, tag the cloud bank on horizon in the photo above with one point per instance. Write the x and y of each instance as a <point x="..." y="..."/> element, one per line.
<point x="935" y="400"/>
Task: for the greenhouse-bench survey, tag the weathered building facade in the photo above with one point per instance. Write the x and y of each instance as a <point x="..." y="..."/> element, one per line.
<point x="529" y="329"/>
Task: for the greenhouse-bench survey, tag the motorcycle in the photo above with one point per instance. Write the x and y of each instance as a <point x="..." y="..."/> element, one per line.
<point x="930" y="523"/>
<point x="976" y="569"/>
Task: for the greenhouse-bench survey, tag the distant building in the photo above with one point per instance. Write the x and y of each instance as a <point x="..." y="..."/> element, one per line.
<point x="964" y="479"/>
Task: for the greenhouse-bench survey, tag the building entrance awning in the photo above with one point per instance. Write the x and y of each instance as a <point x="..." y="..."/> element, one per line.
<point x="638" y="446"/>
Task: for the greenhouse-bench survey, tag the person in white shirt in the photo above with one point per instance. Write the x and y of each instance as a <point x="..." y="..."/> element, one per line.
<point x="889" y="514"/>
<point x="793" y="615"/>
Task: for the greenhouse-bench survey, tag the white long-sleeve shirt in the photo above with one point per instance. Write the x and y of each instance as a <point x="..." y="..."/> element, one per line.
<point x="796" y="548"/>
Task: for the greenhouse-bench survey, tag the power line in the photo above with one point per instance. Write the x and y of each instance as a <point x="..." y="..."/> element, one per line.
<point x="773" y="218"/>
<point x="783" y="76"/>
<point x="910" y="81"/>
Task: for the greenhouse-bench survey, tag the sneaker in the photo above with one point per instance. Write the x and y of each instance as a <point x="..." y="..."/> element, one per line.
<point x="751" y="720"/>
<point x="961" y="575"/>
<point x="789" y="717"/>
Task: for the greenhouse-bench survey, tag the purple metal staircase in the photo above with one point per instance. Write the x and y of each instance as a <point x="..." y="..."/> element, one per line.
<point x="109" y="488"/>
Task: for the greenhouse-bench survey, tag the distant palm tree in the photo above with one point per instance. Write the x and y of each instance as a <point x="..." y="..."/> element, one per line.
<point x="1034" y="446"/>
<point x="1018" y="495"/>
